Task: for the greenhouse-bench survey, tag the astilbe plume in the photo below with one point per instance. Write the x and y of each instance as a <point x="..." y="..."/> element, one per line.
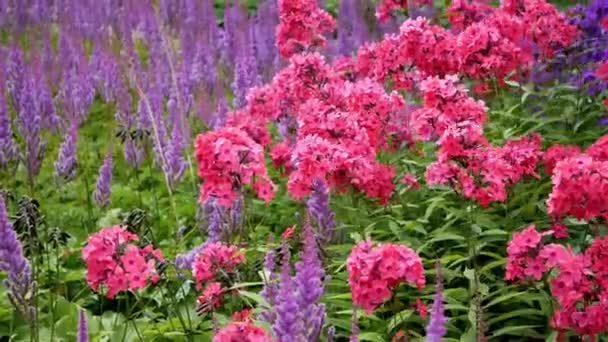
<point x="301" y="26"/>
<point x="374" y="271"/>
<point x="214" y="259"/>
<point x="29" y="123"/>
<point x="229" y="157"/>
<point x="309" y="281"/>
<point x="66" y="163"/>
<point x="19" y="282"/>
<point x="9" y="151"/>
<point x="115" y="263"/>
<point x="437" y="326"/>
<point x="271" y="287"/>
<point x="319" y="209"/>
<point x="242" y="331"/>
<point x="288" y="324"/>
<point x="103" y="187"/>
<point x="83" y="329"/>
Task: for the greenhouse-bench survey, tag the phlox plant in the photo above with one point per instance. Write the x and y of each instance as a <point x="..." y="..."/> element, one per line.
<point x="303" y="170"/>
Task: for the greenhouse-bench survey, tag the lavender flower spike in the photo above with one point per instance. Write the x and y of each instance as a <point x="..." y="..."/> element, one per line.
<point x="103" y="188"/>
<point x="437" y="327"/>
<point x="270" y="290"/>
<point x="287" y="326"/>
<point x="310" y="286"/>
<point x="83" y="329"/>
<point x="318" y="207"/>
<point x="21" y="287"/>
<point x="65" y="166"/>
<point x="8" y="149"/>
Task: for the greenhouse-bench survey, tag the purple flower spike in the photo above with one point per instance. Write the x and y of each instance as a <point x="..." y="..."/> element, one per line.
<point x="9" y="151"/>
<point x="83" y="329"/>
<point x="103" y="188"/>
<point x="65" y="166"/>
<point x="318" y="207"/>
<point x="437" y="327"/>
<point x="271" y="287"/>
<point x="21" y="287"/>
<point x="287" y="326"/>
<point x="29" y="125"/>
<point x="309" y="275"/>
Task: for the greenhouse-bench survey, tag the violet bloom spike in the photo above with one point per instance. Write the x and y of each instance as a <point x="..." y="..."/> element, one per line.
<point x="21" y="287"/>
<point x="319" y="209"/>
<point x="15" y="76"/>
<point x="9" y="151"/>
<point x="309" y="275"/>
<point x="287" y="326"/>
<point x="271" y="288"/>
<point x="437" y="327"/>
<point x="175" y="165"/>
<point x="29" y="125"/>
<point x="213" y="215"/>
<point x="103" y="187"/>
<point x="65" y="166"/>
<point x="83" y="329"/>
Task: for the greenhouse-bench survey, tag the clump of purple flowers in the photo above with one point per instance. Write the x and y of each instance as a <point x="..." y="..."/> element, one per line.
<point x="296" y="314"/>
<point x="21" y="286"/>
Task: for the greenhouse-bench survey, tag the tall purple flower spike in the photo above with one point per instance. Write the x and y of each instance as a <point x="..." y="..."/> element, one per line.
<point x="309" y="279"/>
<point x="65" y="166"/>
<point x="83" y="328"/>
<point x="9" y="151"/>
<point x="437" y="327"/>
<point x="288" y="324"/>
<point x="318" y="207"/>
<point x="103" y="187"/>
<point x="21" y="286"/>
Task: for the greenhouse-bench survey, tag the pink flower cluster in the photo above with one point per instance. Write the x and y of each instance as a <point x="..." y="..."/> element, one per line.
<point x="374" y="271"/>
<point x="465" y="159"/>
<point x="118" y="265"/>
<point x="228" y="159"/>
<point x="525" y="255"/>
<point x="580" y="286"/>
<point x="487" y="42"/>
<point x="301" y="26"/>
<point x="337" y="126"/>
<point x="242" y="332"/>
<point x="213" y="259"/>
<point x="580" y="181"/>
<point x="383" y="12"/>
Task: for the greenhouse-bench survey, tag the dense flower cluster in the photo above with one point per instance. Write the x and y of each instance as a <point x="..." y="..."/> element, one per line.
<point x="579" y="181"/>
<point x="214" y="259"/>
<point x="579" y="287"/>
<point x="228" y="158"/>
<point x="524" y="257"/>
<point x="116" y="264"/>
<point x="465" y="159"/>
<point x="374" y="271"/>
<point x="242" y="331"/>
<point x="301" y="26"/>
